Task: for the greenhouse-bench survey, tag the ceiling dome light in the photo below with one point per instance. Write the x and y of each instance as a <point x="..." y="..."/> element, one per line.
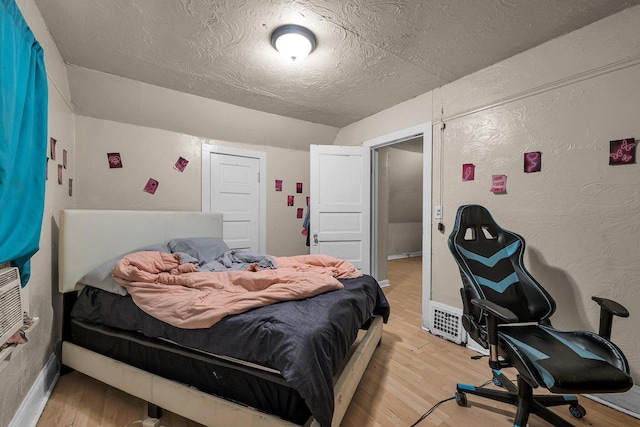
<point x="293" y="42"/>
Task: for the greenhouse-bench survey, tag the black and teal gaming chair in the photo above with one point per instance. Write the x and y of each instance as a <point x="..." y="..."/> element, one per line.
<point x="507" y="312"/>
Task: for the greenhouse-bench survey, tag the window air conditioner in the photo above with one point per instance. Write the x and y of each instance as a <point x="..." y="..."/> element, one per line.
<point x="10" y="303"/>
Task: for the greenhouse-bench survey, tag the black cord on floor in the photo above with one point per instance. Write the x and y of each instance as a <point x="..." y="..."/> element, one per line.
<point x="426" y="414"/>
<point x="433" y="408"/>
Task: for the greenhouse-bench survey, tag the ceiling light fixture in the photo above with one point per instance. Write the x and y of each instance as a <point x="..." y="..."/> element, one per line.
<point x="293" y="42"/>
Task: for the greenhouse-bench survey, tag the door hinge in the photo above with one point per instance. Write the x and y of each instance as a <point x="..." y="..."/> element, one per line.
<point x="258" y="177"/>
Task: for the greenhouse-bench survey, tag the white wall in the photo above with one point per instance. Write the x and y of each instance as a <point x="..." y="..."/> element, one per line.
<point x="409" y="113"/>
<point x="151" y="126"/>
<point x="40" y="294"/>
<point x="404" y="238"/>
<point x="567" y="98"/>
<point x="151" y="153"/>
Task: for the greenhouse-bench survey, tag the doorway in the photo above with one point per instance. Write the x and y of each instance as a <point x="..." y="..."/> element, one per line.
<point x="380" y="254"/>
<point x="400" y="189"/>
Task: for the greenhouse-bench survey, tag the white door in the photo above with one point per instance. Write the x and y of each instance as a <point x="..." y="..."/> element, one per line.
<point x="340" y="207"/>
<point x="231" y="185"/>
<point x="235" y="193"/>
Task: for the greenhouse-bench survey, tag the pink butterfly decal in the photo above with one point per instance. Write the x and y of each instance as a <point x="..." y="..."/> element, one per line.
<point x="627" y="146"/>
<point x="621" y="153"/>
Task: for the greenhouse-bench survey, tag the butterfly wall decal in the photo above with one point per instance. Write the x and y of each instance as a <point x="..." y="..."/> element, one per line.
<point x="622" y="151"/>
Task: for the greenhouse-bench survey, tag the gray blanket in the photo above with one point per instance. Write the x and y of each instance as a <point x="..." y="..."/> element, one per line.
<point x="235" y="259"/>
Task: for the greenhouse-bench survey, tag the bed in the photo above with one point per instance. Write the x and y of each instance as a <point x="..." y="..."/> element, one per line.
<point x="210" y="375"/>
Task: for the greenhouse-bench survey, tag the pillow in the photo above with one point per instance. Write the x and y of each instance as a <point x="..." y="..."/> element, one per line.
<point x="101" y="278"/>
<point x="204" y="249"/>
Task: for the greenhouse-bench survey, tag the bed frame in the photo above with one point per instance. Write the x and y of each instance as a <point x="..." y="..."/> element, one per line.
<point x="89" y="237"/>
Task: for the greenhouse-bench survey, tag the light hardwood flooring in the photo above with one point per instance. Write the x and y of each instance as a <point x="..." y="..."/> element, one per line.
<point x="409" y="373"/>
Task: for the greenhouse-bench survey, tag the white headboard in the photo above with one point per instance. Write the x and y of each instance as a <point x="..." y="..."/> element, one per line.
<point x="90" y="237"/>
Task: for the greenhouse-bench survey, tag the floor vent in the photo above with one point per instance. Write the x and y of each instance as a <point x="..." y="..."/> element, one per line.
<point x="446" y="322"/>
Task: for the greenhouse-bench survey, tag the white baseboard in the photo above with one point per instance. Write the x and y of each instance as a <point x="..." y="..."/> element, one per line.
<point x="33" y="404"/>
<point x="473" y="345"/>
<point x="384" y="283"/>
<point x="406" y="255"/>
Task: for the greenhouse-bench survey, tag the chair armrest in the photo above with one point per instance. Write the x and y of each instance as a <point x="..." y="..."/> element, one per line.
<point x="493" y="313"/>
<point x="608" y="309"/>
<point x="500" y="312"/>
<point x="611" y="306"/>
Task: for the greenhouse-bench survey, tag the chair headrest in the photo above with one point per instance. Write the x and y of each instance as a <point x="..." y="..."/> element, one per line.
<point x="490" y="261"/>
<point x="479" y="220"/>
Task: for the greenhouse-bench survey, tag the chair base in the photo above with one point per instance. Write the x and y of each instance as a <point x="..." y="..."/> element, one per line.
<point x="523" y="398"/>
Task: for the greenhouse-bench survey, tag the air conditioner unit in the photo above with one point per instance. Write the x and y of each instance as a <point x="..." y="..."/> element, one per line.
<point x="10" y="303"/>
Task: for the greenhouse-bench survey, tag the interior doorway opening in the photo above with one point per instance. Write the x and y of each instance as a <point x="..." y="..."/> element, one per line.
<point x="403" y="145"/>
<point x="399" y="203"/>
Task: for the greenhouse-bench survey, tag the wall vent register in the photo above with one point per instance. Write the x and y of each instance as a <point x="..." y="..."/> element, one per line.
<point x="446" y="322"/>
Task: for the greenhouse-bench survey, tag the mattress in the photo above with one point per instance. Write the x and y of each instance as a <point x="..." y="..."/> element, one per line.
<point x="245" y="383"/>
<point x="306" y="341"/>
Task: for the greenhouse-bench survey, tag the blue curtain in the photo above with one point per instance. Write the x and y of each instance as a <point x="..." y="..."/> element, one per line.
<point x="23" y="139"/>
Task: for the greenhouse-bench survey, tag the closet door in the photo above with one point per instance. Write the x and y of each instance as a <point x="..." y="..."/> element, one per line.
<point x="231" y="184"/>
<point x="235" y="192"/>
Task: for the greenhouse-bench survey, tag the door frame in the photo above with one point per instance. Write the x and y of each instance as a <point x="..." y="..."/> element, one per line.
<point x="425" y="130"/>
<point x="207" y="150"/>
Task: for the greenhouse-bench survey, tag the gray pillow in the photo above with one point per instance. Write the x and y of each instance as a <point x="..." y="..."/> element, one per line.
<point x="204" y="249"/>
<point x="101" y="278"/>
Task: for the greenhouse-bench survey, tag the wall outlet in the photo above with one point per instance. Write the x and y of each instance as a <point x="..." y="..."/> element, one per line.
<point x="437" y="212"/>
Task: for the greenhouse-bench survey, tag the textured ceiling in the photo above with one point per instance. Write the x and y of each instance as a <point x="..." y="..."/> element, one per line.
<point x="371" y="54"/>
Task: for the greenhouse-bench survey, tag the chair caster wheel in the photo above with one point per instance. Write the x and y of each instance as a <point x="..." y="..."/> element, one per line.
<point x="461" y="398"/>
<point x="497" y="382"/>
<point x="577" y="411"/>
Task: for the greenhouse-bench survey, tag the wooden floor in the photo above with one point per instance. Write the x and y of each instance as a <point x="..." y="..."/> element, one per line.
<point x="409" y="373"/>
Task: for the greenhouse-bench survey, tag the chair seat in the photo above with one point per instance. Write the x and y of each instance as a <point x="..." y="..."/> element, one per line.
<point x="565" y="361"/>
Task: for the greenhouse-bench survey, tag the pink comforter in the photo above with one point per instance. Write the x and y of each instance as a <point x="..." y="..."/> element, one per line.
<point x="180" y="295"/>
